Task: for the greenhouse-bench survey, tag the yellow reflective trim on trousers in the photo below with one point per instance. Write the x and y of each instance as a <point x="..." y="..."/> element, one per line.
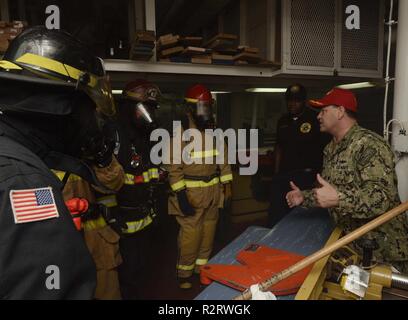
<point x="178" y="185"/>
<point x="226" y="178"/>
<point x="7" y="65"/>
<point x="185" y="268"/>
<point x="201" y="262"/>
<point x="94" y="224"/>
<point x="137" y="226"/>
<point x="204" y="154"/>
<point x="54" y="66"/>
<point x="108" y="201"/>
<point x="61" y="175"/>
<point x="201" y="184"/>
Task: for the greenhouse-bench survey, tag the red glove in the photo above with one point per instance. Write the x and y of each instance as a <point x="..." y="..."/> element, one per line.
<point x="77" y="207"/>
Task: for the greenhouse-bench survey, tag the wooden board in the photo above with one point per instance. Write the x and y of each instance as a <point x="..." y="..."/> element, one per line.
<point x="168" y="42"/>
<point x="216" y="56"/>
<point x="249" y="57"/>
<point x="222" y="36"/>
<point x="191" y="41"/>
<point x="204" y="59"/>
<point x="171" y="51"/>
<point x="222" y="44"/>
<point x="248" y="49"/>
<point x="194" y="51"/>
<point x="166" y="37"/>
<point x="145" y="36"/>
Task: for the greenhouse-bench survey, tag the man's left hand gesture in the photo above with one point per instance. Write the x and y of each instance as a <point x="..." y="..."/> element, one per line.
<point x="326" y="196"/>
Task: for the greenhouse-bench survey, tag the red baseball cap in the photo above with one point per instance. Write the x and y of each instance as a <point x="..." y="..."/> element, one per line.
<point x="337" y="97"/>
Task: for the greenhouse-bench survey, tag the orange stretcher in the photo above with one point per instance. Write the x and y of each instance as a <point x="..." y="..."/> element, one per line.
<point x="258" y="263"/>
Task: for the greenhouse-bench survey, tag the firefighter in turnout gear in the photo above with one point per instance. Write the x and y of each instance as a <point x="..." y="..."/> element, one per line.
<point x="101" y="240"/>
<point x="199" y="189"/>
<point x="137" y="201"/>
<point x="54" y="102"/>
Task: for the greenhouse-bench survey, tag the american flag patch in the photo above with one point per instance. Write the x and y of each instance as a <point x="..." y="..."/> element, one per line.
<point x="33" y="205"/>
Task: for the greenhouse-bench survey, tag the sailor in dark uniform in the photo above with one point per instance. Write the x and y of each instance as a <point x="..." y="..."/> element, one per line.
<point x="298" y="153"/>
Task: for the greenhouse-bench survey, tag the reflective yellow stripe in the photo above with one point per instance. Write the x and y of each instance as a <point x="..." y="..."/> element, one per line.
<point x="134" y="95"/>
<point x="204" y="154"/>
<point x="108" y="201"/>
<point x="154" y="173"/>
<point x="201" y="262"/>
<point x="146" y="177"/>
<point x="191" y="100"/>
<point x="7" y="65"/>
<point x="201" y="184"/>
<point x="226" y="178"/>
<point x="49" y="64"/>
<point x="61" y="175"/>
<point x="178" y="185"/>
<point x="129" y="179"/>
<point x="136" y="226"/>
<point x="185" y="268"/>
<point x="54" y="66"/>
<point x="94" y="224"/>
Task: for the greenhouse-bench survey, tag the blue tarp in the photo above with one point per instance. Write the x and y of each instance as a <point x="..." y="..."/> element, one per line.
<point x="301" y="231"/>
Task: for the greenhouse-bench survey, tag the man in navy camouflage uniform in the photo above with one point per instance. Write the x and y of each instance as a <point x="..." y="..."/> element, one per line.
<point x="358" y="181"/>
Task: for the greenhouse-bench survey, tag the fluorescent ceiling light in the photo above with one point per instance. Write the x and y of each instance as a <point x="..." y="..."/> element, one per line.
<point x="359" y="85"/>
<point x="266" y="90"/>
<point x="219" y="92"/>
<point x="117" y="91"/>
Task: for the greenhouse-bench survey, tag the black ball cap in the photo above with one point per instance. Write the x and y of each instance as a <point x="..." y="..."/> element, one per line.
<point x="296" y="92"/>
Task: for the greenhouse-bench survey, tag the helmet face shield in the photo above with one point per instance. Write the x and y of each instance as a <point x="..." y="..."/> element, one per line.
<point x="204" y="110"/>
<point x="143" y="111"/>
<point x="100" y="91"/>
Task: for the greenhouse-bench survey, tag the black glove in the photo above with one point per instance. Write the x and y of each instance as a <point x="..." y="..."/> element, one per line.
<point x="113" y="218"/>
<point x="185" y="206"/>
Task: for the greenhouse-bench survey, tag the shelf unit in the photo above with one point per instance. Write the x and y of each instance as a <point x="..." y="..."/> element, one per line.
<point x="113" y="65"/>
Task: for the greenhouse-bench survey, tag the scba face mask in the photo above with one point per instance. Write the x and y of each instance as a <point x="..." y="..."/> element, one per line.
<point x="203" y="115"/>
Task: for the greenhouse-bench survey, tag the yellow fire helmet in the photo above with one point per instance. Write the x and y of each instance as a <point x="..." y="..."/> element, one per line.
<point x="55" y="58"/>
